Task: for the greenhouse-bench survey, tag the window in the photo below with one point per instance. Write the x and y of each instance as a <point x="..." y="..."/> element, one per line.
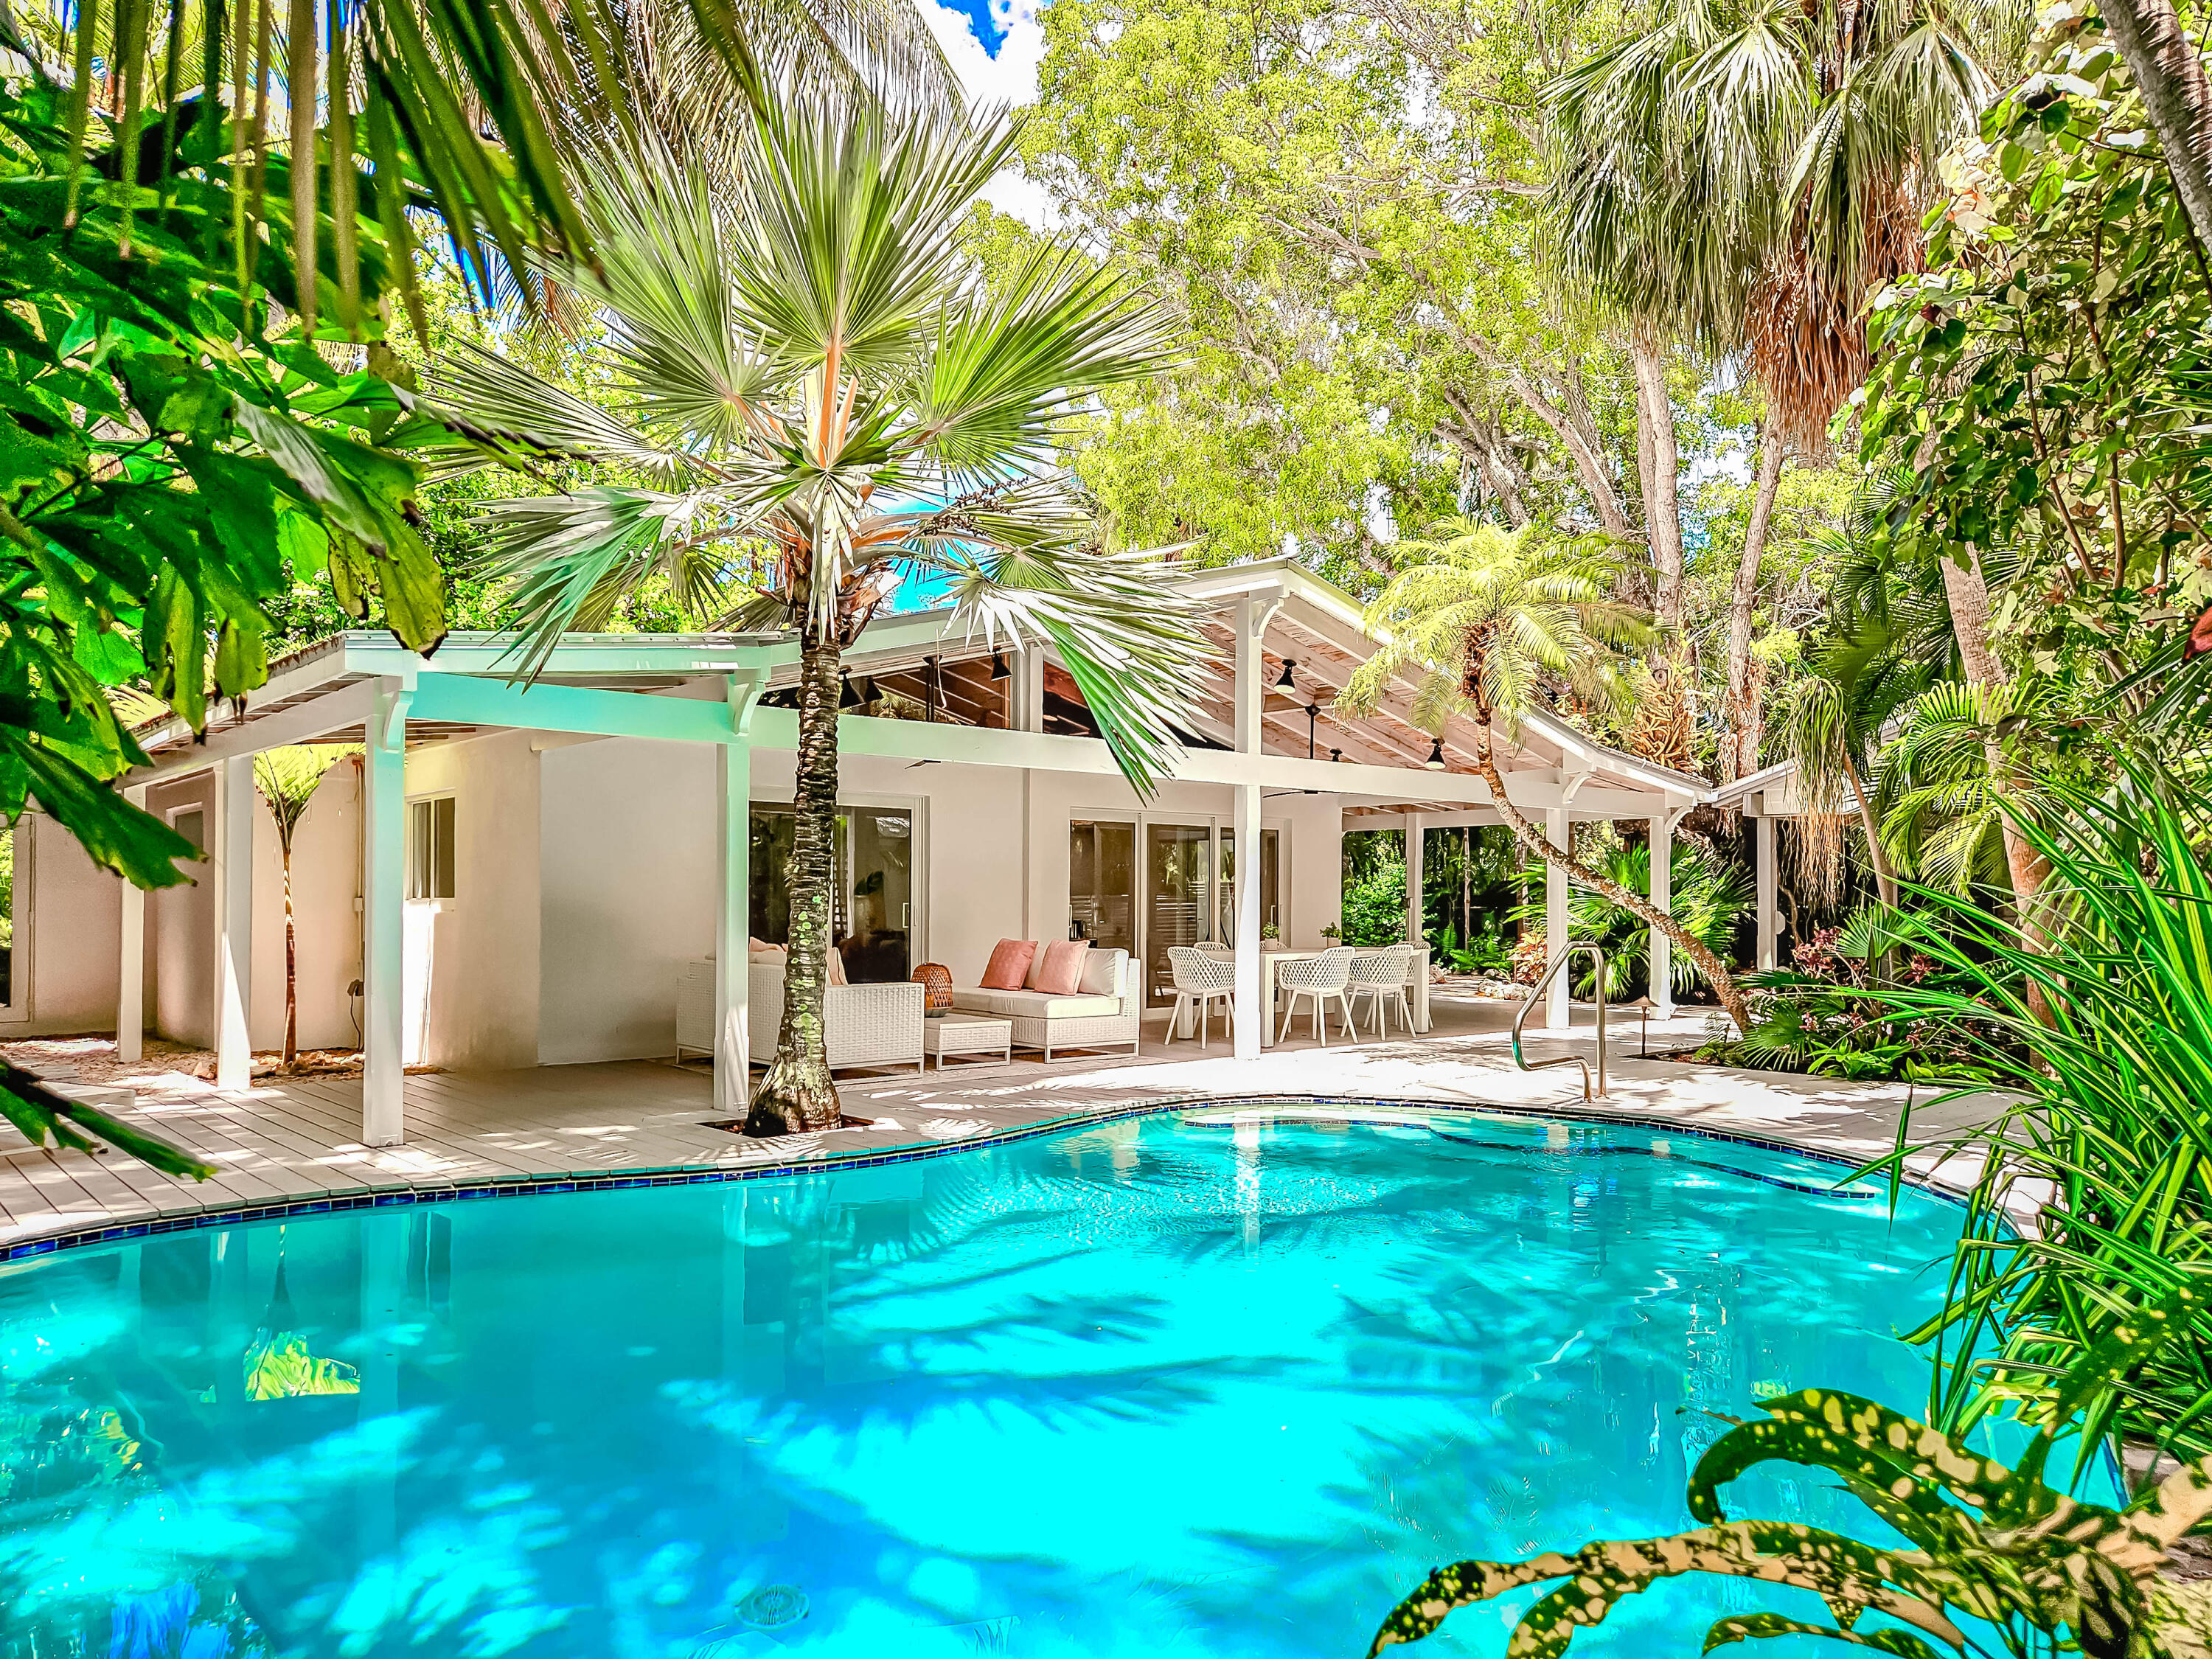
<point x="430" y="848"/>
<point x="191" y="825"/>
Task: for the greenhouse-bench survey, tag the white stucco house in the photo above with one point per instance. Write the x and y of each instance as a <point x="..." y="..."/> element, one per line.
<point x="513" y="878"/>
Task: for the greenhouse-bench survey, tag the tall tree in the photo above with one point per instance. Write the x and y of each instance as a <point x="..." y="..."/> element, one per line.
<point x="824" y="401"/>
<point x="1488" y="619"/>
<point x="1740" y="178"/>
<point x="1338" y="200"/>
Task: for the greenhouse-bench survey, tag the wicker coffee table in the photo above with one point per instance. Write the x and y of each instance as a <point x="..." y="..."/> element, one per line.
<point x="967" y="1034"/>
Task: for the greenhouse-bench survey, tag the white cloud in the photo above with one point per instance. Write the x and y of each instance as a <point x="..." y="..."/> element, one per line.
<point x="1009" y="78"/>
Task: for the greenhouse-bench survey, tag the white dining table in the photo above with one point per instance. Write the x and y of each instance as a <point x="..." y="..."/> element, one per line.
<point x="1417" y="989"/>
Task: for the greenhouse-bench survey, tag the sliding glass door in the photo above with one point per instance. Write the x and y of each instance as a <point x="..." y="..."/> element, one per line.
<point x="872" y="907"/>
<point x="1271" y="883"/>
<point x="1177" y="897"/>
<point x="1101" y="882"/>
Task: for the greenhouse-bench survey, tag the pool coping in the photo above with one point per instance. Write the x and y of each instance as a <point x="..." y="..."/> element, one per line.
<point x="816" y="1159"/>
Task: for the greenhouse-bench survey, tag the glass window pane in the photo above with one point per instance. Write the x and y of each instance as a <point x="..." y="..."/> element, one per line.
<point x="419" y="849"/>
<point x="441" y="848"/>
<point x="191" y="825"/>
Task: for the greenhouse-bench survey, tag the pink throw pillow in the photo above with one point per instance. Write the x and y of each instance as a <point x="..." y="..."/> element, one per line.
<point x="1009" y="965"/>
<point x="1064" y="959"/>
<point x="1037" y="967"/>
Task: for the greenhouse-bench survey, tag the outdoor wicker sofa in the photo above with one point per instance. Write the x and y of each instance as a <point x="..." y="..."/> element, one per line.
<point x="1102" y="1014"/>
<point x="862" y="1024"/>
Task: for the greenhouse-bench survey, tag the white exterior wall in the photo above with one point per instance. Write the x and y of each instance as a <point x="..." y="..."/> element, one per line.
<point x="325" y="856"/>
<point x="180" y="932"/>
<point x="472" y="976"/>
<point x="626" y="856"/>
<point x="66" y="907"/>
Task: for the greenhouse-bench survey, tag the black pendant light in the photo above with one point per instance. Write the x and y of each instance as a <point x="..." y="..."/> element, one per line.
<point x="847" y="696"/>
<point x="1283" y="682"/>
<point x="1313" y="714"/>
<point x="1435" y="759"/>
<point x="932" y="691"/>
<point x="999" y="669"/>
<point x="1336" y="754"/>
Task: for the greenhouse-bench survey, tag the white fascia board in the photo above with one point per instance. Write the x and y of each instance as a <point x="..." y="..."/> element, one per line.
<point x="335" y="710"/>
<point x="464" y="700"/>
<point x="495" y="657"/>
<point x="1781" y="774"/>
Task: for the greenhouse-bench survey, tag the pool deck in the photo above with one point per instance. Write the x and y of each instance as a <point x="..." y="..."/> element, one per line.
<point x="299" y="1140"/>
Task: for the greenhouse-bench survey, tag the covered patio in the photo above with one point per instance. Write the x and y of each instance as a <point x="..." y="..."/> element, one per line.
<point x="609" y="812"/>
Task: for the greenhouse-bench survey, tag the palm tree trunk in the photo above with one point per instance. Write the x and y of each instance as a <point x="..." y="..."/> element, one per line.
<point x="291" y="970"/>
<point x="1715" y="971"/>
<point x="1661" y="461"/>
<point x="1885" y="877"/>
<point x="2170" y="76"/>
<point x="798" y="1095"/>
<point x="1740" y="754"/>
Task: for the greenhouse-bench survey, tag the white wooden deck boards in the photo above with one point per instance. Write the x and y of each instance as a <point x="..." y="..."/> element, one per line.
<point x="300" y="1141"/>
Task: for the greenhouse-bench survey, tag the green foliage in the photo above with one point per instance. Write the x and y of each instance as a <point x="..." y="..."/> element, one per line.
<point x="287" y="778"/>
<point x="1375" y="907"/>
<point x="2114" y="1110"/>
<point x="2055" y="357"/>
<point x="1829" y="1013"/>
<point x="1711" y="898"/>
<point x="1339" y="206"/>
<point x="167" y="464"/>
<point x="1981" y="1541"/>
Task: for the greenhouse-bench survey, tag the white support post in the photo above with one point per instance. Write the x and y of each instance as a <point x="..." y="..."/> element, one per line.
<point x="1025" y="710"/>
<point x="1559" y="832"/>
<point x="1661" y="956"/>
<point x="1415" y="876"/>
<point x="1253" y="615"/>
<point x="131" y="963"/>
<point x="234" y="921"/>
<point x="383" y="919"/>
<point x="733" y="765"/>
<point x="1763" y="847"/>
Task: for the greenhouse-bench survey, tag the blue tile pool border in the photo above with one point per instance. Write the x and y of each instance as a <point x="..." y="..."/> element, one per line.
<point x="817" y="1162"/>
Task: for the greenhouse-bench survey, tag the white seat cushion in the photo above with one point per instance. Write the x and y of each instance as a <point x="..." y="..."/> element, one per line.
<point x="1101" y="972"/>
<point x="1033" y="1005"/>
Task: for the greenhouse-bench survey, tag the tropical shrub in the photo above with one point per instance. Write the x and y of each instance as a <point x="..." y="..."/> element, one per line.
<point x="1982" y="1541"/>
<point x="1826" y="1013"/>
<point x="1486" y="951"/>
<point x="2114" y="1118"/>
<point x="1710" y="898"/>
<point x="1375" y="907"/>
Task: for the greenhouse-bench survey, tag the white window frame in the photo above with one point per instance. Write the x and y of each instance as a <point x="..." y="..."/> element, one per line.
<point x="407" y="867"/>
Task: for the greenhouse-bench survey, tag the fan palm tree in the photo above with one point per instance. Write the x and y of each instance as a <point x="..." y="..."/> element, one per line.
<point x="1741" y="178"/>
<point x="822" y="399"/>
<point x="288" y="779"/>
<point x="1489" y="618"/>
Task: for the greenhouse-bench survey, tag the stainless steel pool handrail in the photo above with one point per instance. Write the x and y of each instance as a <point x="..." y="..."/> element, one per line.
<point x="1597" y="960"/>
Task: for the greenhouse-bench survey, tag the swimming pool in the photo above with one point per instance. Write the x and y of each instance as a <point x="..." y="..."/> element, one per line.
<point x="1204" y="1385"/>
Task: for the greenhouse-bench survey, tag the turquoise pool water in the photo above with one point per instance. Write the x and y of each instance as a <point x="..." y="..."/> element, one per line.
<point x="1156" y="1388"/>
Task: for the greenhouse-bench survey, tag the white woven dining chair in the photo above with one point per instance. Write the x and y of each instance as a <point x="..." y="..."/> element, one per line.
<point x="1382" y="976"/>
<point x="1323" y="978"/>
<point x="1199" y="977"/>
